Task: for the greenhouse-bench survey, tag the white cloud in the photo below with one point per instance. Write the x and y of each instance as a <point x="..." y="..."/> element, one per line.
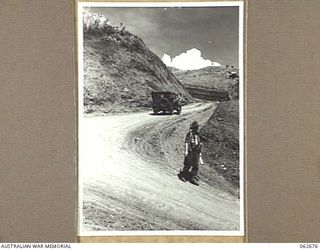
<point x="189" y="60"/>
<point x="167" y="59"/>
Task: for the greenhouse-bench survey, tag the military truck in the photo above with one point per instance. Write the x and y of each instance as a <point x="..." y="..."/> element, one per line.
<point x="166" y="103"/>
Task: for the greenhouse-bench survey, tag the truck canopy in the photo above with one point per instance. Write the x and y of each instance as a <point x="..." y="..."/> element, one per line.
<point x="157" y="96"/>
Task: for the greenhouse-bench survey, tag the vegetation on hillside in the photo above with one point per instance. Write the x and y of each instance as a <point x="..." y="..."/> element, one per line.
<point x="120" y="72"/>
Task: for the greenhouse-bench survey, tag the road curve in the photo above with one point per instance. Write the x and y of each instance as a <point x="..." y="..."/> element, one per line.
<point x="128" y="167"/>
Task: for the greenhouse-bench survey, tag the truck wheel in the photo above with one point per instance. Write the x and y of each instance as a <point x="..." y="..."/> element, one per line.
<point x="178" y="110"/>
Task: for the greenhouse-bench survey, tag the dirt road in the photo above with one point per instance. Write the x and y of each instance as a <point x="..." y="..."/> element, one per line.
<point x="128" y="167"/>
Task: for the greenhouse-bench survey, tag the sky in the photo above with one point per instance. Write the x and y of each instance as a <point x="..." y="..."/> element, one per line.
<point x="200" y="35"/>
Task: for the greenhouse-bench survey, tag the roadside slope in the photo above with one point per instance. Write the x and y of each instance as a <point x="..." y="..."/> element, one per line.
<point x="210" y="83"/>
<point x="120" y="71"/>
<point x="222" y="134"/>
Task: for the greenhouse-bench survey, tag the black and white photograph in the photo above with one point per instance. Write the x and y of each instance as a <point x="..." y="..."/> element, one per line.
<point x="160" y="118"/>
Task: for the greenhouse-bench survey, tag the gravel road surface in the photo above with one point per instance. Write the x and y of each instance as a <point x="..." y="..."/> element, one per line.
<point x="128" y="176"/>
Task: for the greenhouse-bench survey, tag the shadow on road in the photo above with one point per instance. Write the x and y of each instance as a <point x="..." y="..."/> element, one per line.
<point x="163" y="114"/>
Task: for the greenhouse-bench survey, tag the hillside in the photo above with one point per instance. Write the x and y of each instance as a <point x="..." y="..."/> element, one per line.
<point x="221" y="150"/>
<point x="120" y="72"/>
<point x="210" y="83"/>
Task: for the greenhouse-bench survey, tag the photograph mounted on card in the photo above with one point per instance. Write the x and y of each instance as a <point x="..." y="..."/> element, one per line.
<point x="161" y="116"/>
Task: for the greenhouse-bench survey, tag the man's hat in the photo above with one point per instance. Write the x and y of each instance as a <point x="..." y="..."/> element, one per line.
<point x="194" y="124"/>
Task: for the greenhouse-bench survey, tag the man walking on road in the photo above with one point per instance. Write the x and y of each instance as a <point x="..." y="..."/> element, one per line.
<point x="192" y="155"/>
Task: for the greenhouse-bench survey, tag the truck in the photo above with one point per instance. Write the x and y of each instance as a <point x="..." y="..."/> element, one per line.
<point x="166" y="103"/>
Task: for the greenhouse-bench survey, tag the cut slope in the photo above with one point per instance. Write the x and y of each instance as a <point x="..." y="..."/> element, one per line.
<point x="210" y="83"/>
<point x="120" y="72"/>
<point x="221" y="150"/>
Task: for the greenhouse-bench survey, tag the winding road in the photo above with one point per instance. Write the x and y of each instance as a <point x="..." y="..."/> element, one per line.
<point x="128" y="166"/>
